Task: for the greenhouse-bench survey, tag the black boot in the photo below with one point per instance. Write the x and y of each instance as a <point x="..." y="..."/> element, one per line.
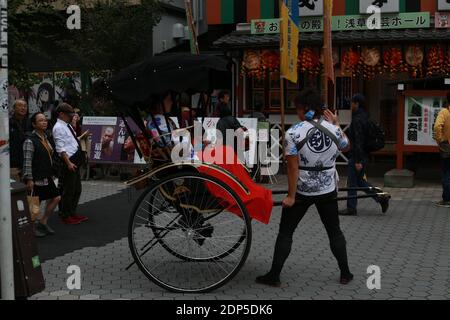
<point x="348" y="212"/>
<point x="269" y="279"/>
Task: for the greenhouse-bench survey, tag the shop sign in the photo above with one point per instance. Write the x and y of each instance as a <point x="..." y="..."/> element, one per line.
<point x="359" y="22"/>
<point x="420" y="115"/>
<point x="347" y="23"/>
<point x="386" y="6"/>
<point x="265" y="26"/>
<point x="308" y="8"/>
<point x="443" y="5"/>
<point x="442" y="20"/>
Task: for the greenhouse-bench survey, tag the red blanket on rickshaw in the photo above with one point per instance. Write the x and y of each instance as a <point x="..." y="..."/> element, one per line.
<point x="258" y="200"/>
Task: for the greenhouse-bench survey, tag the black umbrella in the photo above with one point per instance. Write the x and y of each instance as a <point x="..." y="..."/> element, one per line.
<point x="178" y="72"/>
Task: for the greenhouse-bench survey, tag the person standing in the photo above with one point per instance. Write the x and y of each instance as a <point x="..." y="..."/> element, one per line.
<point x="224" y="97"/>
<point x="17" y="130"/>
<point x="69" y="149"/>
<point x="311" y="151"/>
<point x="38" y="171"/>
<point x="359" y="157"/>
<point x="441" y="133"/>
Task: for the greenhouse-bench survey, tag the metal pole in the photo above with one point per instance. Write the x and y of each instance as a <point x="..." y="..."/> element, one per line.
<point x="6" y="248"/>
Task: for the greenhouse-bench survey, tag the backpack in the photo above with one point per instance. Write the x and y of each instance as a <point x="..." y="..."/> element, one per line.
<point x="375" y="138"/>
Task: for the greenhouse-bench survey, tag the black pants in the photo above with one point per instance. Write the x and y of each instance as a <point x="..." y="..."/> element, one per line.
<point x="71" y="192"/>
<point x="291" y="217"/>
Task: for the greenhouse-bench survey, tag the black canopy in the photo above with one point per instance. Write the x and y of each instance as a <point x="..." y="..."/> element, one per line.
<point x="179" y="72"/>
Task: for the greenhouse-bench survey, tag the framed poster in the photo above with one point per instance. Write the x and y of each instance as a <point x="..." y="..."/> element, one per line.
<point x="420" y="115"/>
<point x="111" y="142"/>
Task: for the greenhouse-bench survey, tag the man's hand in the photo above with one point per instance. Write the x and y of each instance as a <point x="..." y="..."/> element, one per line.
<point x="71" y="167"/>
<point x="30" y="185"/>
<point x="358" y="166"/>
<point x="331" y="117"/>
<point x="288" y="202"/>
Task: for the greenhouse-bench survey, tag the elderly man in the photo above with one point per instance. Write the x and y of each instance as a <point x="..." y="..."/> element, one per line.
<point x="17" y="129"/>
<point x="69" y="149"/>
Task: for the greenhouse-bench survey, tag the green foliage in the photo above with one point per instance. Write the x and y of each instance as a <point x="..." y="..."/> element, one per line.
<point x="113" y="34"/>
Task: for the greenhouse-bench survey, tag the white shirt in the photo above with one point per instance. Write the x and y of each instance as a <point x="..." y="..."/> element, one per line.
<point x="319" y="151"/>
<point x="64" y="139"/>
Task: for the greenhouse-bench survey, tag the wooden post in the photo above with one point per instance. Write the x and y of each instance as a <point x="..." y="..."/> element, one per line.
<point x="400" y="130"/>
<point x="283" y="132"/>
<point x="283" y="129"/>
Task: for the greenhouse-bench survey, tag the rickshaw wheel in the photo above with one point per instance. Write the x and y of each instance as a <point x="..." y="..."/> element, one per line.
<point x="186" y="240"/>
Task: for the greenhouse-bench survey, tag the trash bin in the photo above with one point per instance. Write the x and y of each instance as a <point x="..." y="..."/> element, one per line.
<point x="28" y="277"/>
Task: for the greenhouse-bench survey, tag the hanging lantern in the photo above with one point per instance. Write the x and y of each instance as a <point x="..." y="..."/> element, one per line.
<point x="252" y="65"/>
<point x="414" y="58"/>
<point x="350" y="62"/>
<point x="393" y="62"/>
<point x="271" y="60"/>
<point x="436" y="61"/>
<point x="309" y="62"/>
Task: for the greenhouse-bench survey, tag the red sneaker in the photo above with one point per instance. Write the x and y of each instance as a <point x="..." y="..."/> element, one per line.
<point x="79" y="218"/>
<point x="70" y="220"/>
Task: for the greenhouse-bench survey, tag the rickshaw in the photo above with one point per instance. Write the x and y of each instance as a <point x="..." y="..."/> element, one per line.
<point x="189" y="231"/>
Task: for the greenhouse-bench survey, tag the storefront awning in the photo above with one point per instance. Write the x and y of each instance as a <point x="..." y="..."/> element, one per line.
<point x="244" y="39"/>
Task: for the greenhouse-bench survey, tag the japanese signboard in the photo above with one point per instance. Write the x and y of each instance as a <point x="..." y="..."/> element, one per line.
<point x="386" y="6"/>
<point x="444" y="5"/>
<point x="359" y="22"/>
<point x="442" y="20"/>
<point x="265" y="26"/>
<point x="310" y="8"/>
<point x="111" y="142"/>
<point x="420" y="115"/>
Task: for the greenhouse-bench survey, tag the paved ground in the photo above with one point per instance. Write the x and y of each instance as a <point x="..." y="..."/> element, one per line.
<point x="410" y="244"/>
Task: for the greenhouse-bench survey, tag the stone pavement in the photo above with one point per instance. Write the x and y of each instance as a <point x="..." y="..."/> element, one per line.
<point x="410" y="244"/>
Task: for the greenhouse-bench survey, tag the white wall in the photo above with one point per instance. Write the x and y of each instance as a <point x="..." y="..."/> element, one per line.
<point x="163" y="31"/>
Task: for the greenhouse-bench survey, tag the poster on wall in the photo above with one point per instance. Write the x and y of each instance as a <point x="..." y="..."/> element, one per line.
<point x="42" y="97"/>
<point x="420" y="115"/>
<point x="68" y="87"/>
<point x="110" y="141"/>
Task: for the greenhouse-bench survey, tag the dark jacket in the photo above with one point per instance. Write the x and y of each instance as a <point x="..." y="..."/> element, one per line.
<point x="42" y="161"/>
<point x="357" y="135"/>
<point x="17" y="131"/>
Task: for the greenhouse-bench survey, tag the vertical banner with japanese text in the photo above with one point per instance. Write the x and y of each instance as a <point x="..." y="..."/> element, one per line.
<point x="289" y="39"/>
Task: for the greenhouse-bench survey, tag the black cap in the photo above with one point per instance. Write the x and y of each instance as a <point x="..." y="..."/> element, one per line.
<point x="360" y="99"/>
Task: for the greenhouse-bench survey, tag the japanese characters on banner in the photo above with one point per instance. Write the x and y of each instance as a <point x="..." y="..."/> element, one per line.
<point x="444" y="5"/>
<point x="410" y="20"/>
<point x="110" y="141"/>
<point x="310" y="8"/>
<point x="386" y="6"/>
<point x="420" y="115"/>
